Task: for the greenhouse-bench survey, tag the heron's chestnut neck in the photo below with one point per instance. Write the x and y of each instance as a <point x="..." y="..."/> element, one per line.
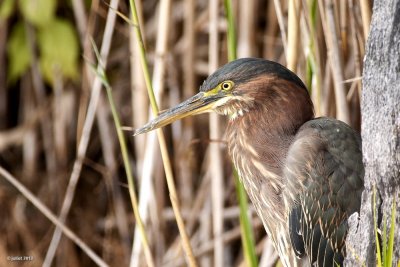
<point x="283" y="105"/>
<point x="277" y="110"/>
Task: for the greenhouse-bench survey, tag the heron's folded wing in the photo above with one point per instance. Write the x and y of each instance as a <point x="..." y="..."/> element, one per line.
<point x="324" y="175"/>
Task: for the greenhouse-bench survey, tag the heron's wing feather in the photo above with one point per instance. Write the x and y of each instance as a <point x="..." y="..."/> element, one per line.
<point x="324" y="169"/>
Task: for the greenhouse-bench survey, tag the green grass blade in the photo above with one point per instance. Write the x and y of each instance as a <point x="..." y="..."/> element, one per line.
<point x="232" y="54"/>
<point x="100" y="72"/>
<point x="391" y="235"/>
<point x="245" y="226"/>
<point x="384" y="242"/>
<point x="143" y="60"/>
<point x="309" y="73"/>
<point x="163" y="146"/>
<point x="378" y="249"/>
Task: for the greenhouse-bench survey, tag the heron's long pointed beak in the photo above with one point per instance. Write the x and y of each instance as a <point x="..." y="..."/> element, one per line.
<point x="197" y="104"/>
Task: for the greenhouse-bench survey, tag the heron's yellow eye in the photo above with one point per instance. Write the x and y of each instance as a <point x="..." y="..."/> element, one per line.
<point x="227" y="85"/>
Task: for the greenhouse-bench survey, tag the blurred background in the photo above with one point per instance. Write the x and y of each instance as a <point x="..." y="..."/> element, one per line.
<point x="58" y="138"/>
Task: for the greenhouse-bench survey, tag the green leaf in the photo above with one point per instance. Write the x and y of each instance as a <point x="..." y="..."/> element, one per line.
<point x="391" y="236"/>
<point x="384" y="241"/>
<point x="232" y="49"/>
<point x="249" y="250"/>
<point x="378" y="248"/>
<point x="58" y="46"/>
<point x="6" y="8"/>
<point x="19" y="56"/>
<point x="38" y="12"/>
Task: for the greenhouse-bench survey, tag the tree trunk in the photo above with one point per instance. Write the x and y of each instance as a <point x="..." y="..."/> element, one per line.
<point x="380" y="111"/>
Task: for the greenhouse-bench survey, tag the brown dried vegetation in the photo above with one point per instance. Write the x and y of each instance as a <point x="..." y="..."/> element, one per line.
<point x="60" y="142"/>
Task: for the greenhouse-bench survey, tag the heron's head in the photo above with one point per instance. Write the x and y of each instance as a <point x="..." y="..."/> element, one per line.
<point x="236" y="89"/>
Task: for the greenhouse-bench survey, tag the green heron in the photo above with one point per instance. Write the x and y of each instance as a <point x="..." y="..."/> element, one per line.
<point x="304" y="175"/>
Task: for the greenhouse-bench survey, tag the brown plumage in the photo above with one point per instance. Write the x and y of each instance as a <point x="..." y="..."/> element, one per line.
<point x="303" y="175"/>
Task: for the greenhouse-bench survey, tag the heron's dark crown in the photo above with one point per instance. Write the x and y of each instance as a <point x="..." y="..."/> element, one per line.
<point x="245" y="69"/>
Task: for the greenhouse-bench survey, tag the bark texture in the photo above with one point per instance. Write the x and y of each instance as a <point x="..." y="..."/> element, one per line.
<point x="380" y="111"/>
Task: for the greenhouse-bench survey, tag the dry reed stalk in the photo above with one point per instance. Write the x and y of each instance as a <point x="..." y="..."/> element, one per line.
<point x="269" y="41"/>
<point x="189" y="39"/>
<point x="59" y="125"/>
<point x="184" y="134"/>
<point x="140" y="116"/>
<point x="108" y="147"/>
<point x="217" y="182"/>
<point x="147" y="190"/>
<point x="366" y="16"/>
<point x="358" y="55"/>
<point x="159" y="74"/>
<point x="342" y="27"/>
<point x="246" y="29"/>
<point x="100" y="72"/>
<point x="293" y="34"/>
<point x="80" y="18"/>
<point x="269" y="255"/>
<point x="140" y="101"/>
<point x="145" y="145"/>
<point x="336" y="60"/>
<point x="16" y="135"/>
<point x="84" y="140"/>
<point x="23" y="228"/>
<point x="87" y="73"/>
<point x="30" y="148"/>
<point x="49" y="215"/>
<point x="197" y="208"/>
<point x="85" y="27"/>
<point x="353" y="96"/>
<point x="328" y="97"/>
<point x="40" y="93"/>
<point x="227" y="237"/>
<point x="161" y="51"/>
<point x="314" y="53"/>
<point x="174" y="201"/>
<point x="205" y="233"/>
<point x="146" y="152"/>
<point x="279" y="15"/>
<point x="163" y="146"/>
